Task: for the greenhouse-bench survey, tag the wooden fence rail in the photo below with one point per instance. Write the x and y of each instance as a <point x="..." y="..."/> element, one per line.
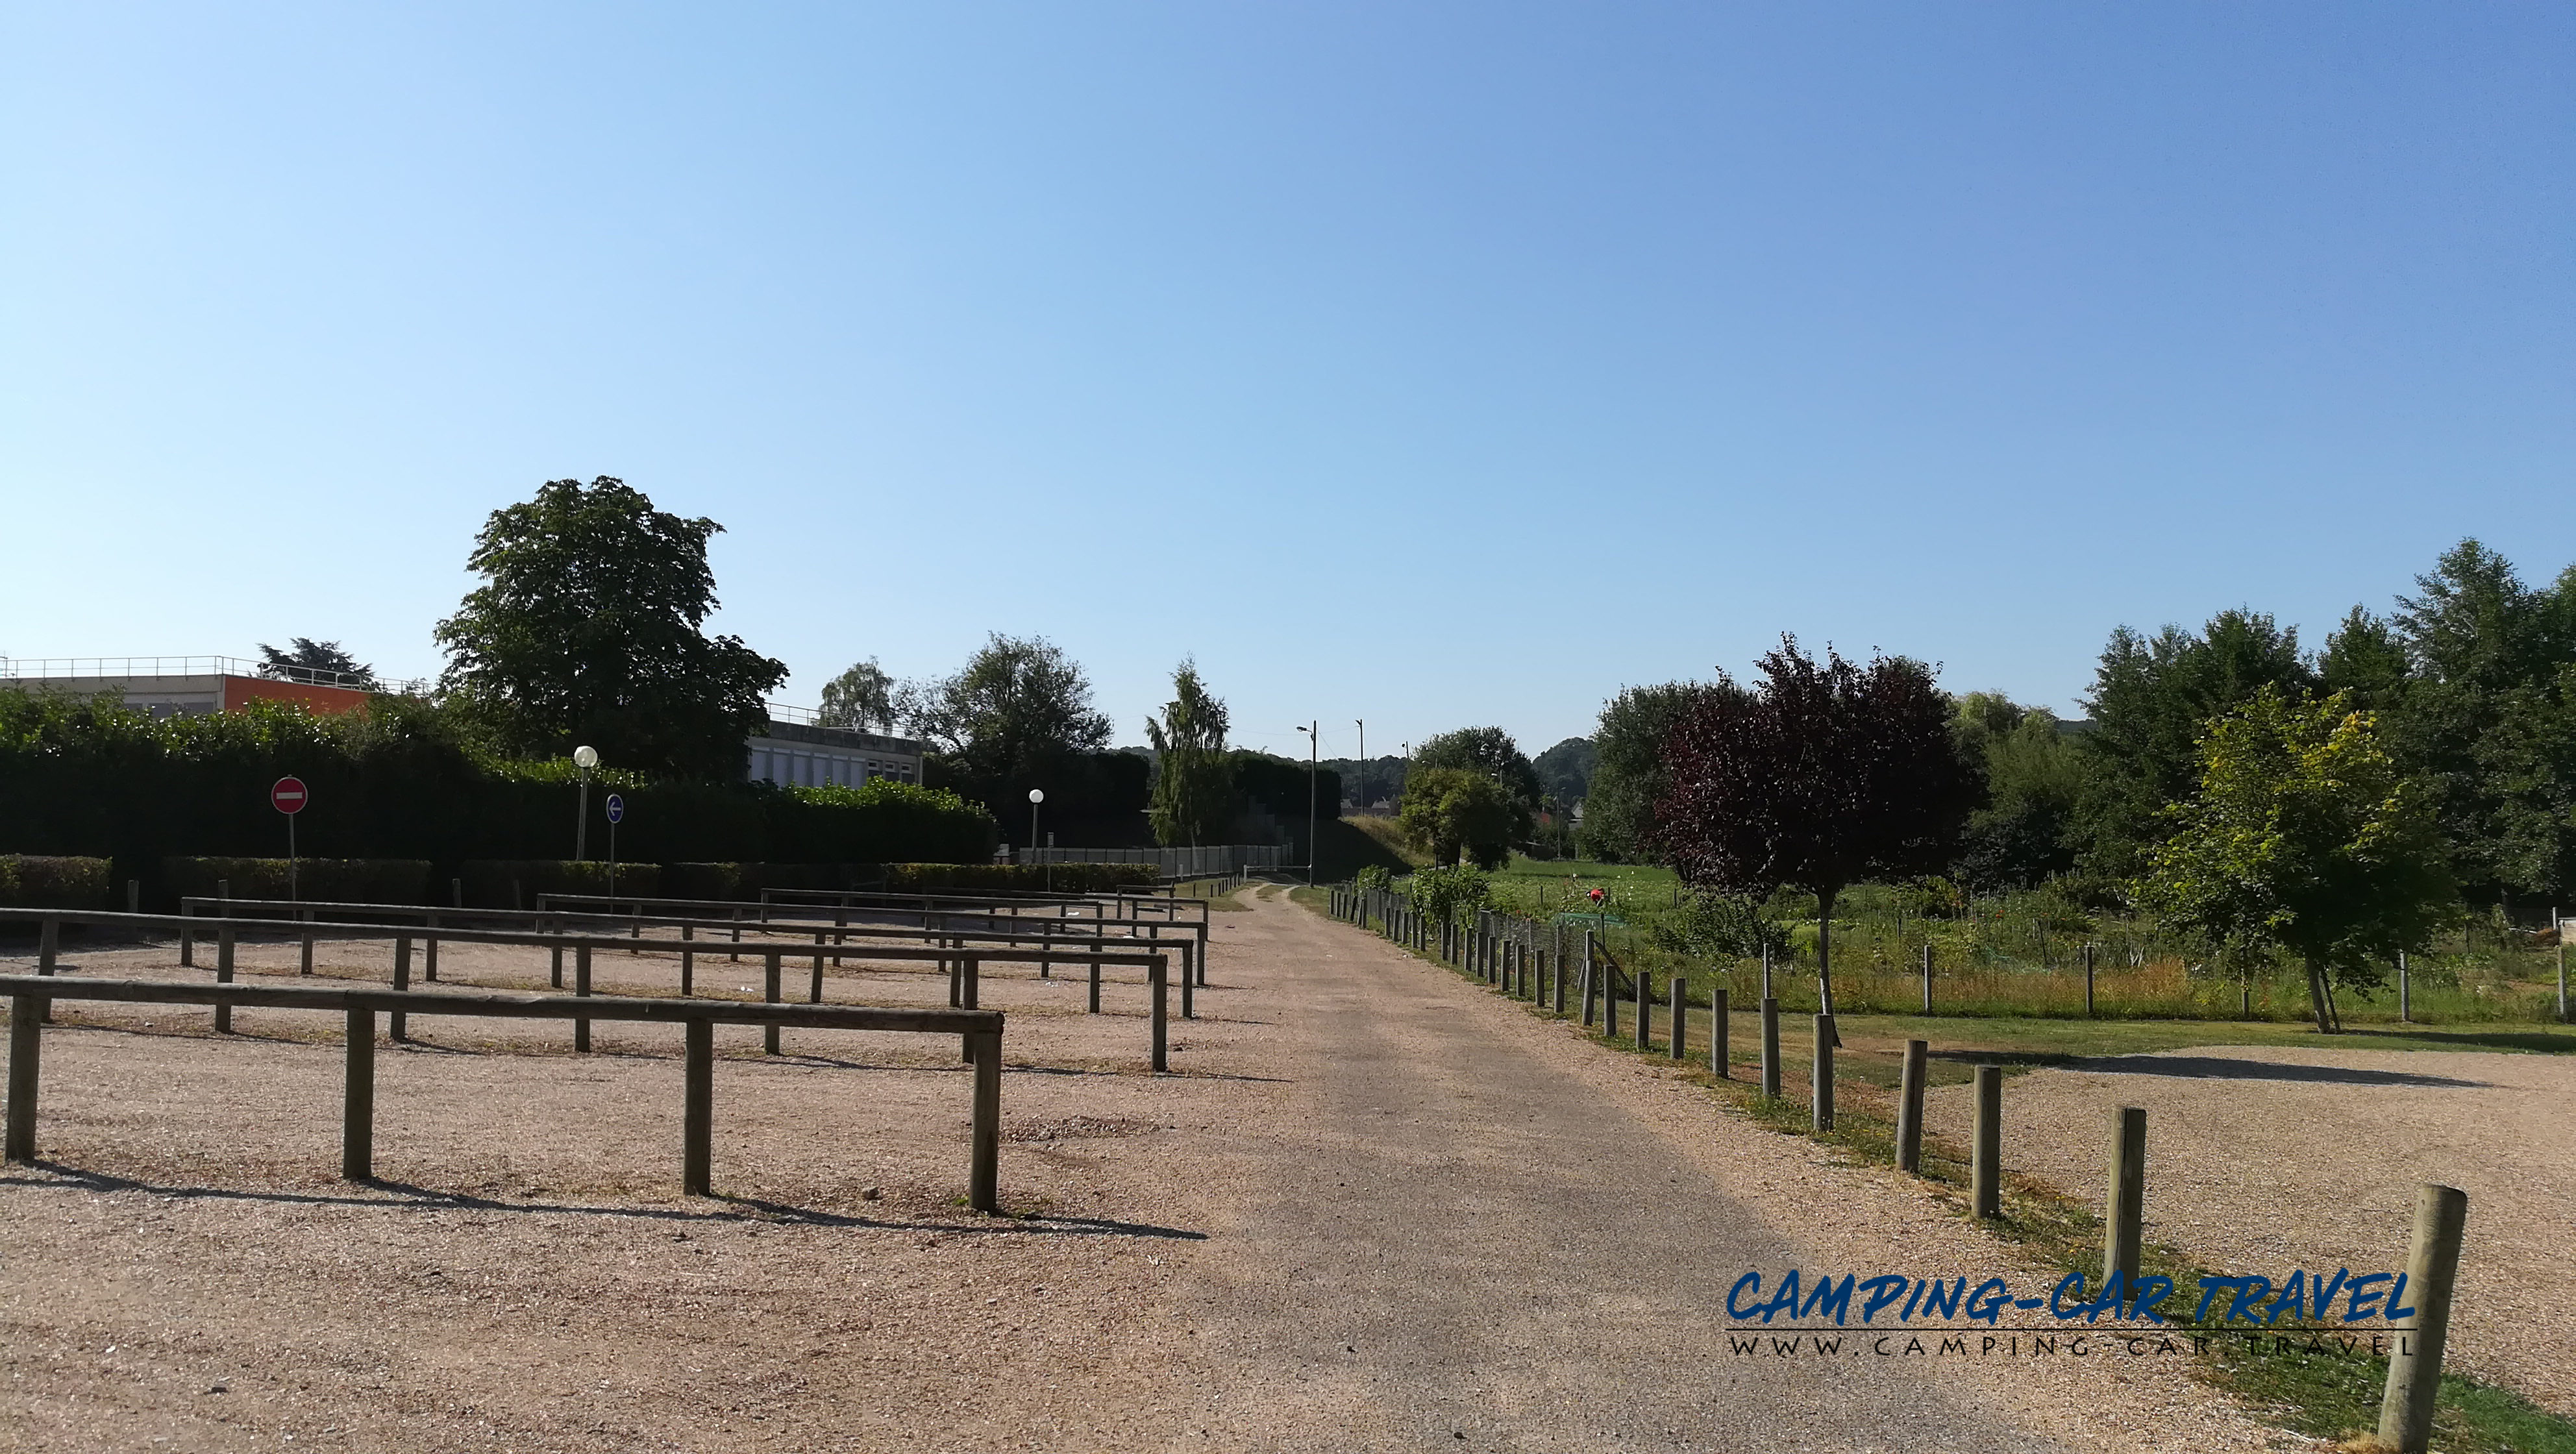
<point x="964" y="965"/>
<point x="30" y="995"/>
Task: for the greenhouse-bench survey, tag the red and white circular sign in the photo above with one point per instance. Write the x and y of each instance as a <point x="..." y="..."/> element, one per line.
<point x="288" y="796"/>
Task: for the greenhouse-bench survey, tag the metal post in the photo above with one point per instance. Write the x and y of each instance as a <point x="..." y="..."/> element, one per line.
<point x="2124" y="1207"/>
<point x="697" y="1108"/>
<point x="358" y="1099"/>
<point x="1986" y="1151"/>
<point x="1770" y="1047"/>
<point x="26" y="1023"/>
<point x="2088" y="979"/>
<point x="2415" y="1369"/>
<point x="1927" y="976"/>
<point x="1909" y="1106"/>
<point x="1822" y="1091"/>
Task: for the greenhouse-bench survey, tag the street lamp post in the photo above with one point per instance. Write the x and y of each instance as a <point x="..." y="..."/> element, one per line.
<point x="1314" y="736"/>
<point x="585" y="760"/>
<point x="1037" y="796"/>
<point x="1363" y="760"/>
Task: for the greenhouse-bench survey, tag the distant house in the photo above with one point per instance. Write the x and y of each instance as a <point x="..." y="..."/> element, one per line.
<point x="181" y="686"/>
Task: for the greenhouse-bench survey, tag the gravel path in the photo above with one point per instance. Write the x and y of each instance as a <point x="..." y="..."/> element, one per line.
<point x="2265" y="1158"/>
<point x="1376" y="1208"/>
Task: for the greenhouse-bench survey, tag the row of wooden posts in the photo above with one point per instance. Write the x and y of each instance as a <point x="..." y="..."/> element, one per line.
<point x="1505" y="952"/>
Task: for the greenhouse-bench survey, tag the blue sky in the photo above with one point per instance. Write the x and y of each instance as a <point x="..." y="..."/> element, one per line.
<point x="1432" y="365"/>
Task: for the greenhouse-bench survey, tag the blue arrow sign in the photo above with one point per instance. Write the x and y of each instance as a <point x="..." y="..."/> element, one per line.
<point x="616" y="808"/>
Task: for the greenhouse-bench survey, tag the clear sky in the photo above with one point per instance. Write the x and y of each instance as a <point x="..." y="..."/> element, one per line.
<point x="1432" y="364"/>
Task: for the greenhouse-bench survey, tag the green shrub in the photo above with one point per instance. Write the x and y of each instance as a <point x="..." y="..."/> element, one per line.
<point x="32" y="882"/>
<point x="323" y="880"/>
<point x="514" y="883"/>
<point x="1448" y="895"/>
<point x="746" y="880"/>
<point x="1372" y="876"/>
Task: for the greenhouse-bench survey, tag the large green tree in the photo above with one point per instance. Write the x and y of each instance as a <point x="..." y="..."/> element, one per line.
<point x="1017" y="711"/>
<point x="2303" y="838"/>
<point x="2034" y="781"/>
<point x="2484" y="714"/>
<point x="1193" y="783"/>
<point x="1459" y="815"/>
<point x="587" y="629"/>
<point x="1823" y="775"/>
<point x="861" y="699"/>
<point x="2151" y="696"/>
<point x="1628" y="771"/>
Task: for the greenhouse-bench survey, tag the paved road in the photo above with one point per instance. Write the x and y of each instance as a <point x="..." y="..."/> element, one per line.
<point x="1452" y="1240"/>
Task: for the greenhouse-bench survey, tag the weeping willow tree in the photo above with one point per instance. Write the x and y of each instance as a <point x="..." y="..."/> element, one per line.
<point x="1192" y="794"/>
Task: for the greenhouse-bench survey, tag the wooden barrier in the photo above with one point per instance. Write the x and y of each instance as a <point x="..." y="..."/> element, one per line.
<point x="1909" y="1106"/>
<point x="1718" y="1029"/>
<point x="2124" y="1203"/>
<point x="1986" y="1151"/>
<point x="1771" y="1047"/>
<point x="28" y="994"/>
<point x="1680" y="1013"/>
<point x="1822" y="1081"/>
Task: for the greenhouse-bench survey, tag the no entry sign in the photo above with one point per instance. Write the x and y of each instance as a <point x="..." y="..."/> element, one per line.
<point x="288" y="796"/>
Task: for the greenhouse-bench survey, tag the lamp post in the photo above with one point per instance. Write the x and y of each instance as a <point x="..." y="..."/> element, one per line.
<point x="1037" y="796"/>
<point x="1363" y="759"/>
<point x="585" y="760"/>
<point x="1313" y="737"/>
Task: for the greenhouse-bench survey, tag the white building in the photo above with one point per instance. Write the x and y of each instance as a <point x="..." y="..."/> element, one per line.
<point x="801" y="754"/>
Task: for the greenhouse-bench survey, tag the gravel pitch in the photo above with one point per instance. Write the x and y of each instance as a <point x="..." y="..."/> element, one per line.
<point x="1374" y="1208"/>
<point x="2261" y="1159"/>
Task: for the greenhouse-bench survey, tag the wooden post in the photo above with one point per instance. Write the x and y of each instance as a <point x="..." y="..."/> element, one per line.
<point x="2415" y="1369"/>
<point x="1154" y="971"/>
<point x="306" y="967"/>
<point x="1591" y="981"/>
<point x="358" y="1100"/>
<point x="26" y="1023"/>
<point x="1681" y="1014"/>
<point x="1610" y="999"/>
<point x="429" y="949"/>
<point x="1717" y="1034"/>
<point x="1645" y="1006"/>
<point x="187" y="936"/>
<point x="1771" y="1047"/>
<point x="49" y="944"/>
<point x="1986" y="1150"/>
<point x="224" y="974"/>
<point x="814" y="993"/>
<point x="2405" y="1003"/>
<point x="134" y="896"/>
<point x="983" y="1177"/>
<point x="554" y="968"/>
<point x="1909" y="1106"/>
<point x="2124" y="1206"/>
<point x="769" y="994"/>
<point x="1095" y="981"/>
<point x="1557" y="970"/>
<point x="1189" y="1008"/>
<point x="697" y="1108"/>
<point x="398" y="1024"/>
<point x="688" y="962"/>
<point x="581" y="986"/>
<point x="2088" y="979"/>
<point x="1823" y="1082"/>
<point x="735" y="957"/>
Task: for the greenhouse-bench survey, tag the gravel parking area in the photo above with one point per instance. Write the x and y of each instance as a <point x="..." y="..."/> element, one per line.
<point x="1375" y="1207"/>
<point x="2264" y="1159"/>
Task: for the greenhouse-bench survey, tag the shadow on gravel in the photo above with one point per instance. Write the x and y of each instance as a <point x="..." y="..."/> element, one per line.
<point x="400" y="1196"/>
<point x="2218" y="1067"/>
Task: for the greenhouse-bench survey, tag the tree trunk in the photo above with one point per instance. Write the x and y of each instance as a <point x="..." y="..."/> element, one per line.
<point x="1825" y="948"/>
<point x="2317" y="996"/>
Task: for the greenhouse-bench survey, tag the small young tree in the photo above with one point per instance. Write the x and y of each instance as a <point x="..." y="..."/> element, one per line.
<point x="1458" y="815"/>
<point x="2303" y="839"/>
<point x="1192" y="784"/>
<point x="1825" y="773"/>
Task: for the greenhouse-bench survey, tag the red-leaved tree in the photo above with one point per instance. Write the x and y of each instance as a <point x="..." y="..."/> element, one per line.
<point x="1819" y="776"/>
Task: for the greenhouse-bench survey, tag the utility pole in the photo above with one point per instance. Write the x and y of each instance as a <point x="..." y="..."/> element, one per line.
<point x="1363" y="759"/>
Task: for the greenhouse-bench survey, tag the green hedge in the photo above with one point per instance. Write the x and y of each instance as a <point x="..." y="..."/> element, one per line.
<point x="1068" y="878"/>
<point x="746" y="880"/>
<point x="399" y="782"/>
<point x="35" y="882"/>
<point x="514" y="883"/>
<point x="324" y="880"/>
